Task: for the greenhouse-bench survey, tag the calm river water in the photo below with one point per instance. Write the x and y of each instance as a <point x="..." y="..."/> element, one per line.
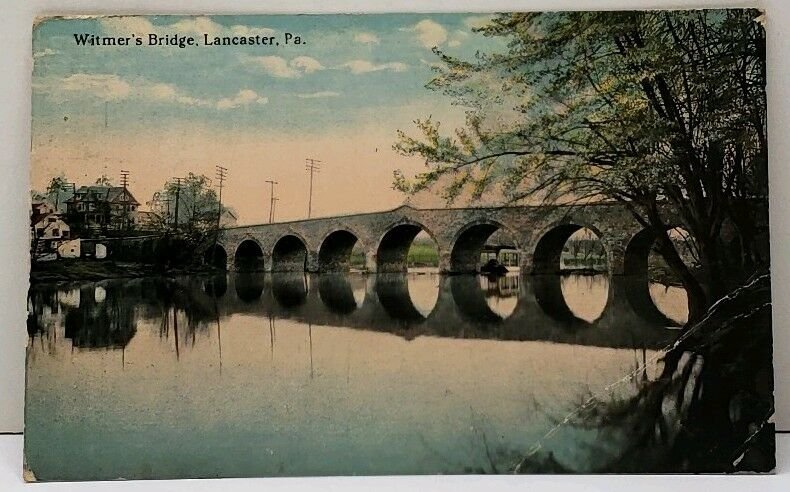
<point x="260" y="374"/>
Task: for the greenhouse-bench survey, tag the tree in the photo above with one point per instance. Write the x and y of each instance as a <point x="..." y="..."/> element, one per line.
<point x="656" y="110"/>
<point x="103" y="180"/>
<point x="195" y="201"/>
<point x="56" y="188"/>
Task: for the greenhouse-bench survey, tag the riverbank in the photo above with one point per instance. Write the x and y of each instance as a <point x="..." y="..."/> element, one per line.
<point x="66" y="270"/>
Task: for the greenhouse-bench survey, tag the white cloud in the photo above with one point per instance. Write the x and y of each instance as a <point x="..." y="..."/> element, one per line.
<point x="126" y="26"/>
<point x="168" y="93"/>
<point x="239" y="30"/>
<point x="44" y="52"/>
<point x="141" y="26"/>
<point x="315" y="95"/>
<point x="277" y="66"/>
<point x="476" y="21"/>
<point x="457" y="38"/>
<point x="429" y="33"/>
<point x="366" y="38"/>
<point x="110" y="87"/>
<point x="306" y="64"/>
<point x="364" y="66"/>
<point x="107" y="87"/>
<point x="245" y="97"/>
<point x="196" y="25"/>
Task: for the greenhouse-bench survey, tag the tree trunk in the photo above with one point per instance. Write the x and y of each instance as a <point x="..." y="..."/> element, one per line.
<point x="698" y="300"/>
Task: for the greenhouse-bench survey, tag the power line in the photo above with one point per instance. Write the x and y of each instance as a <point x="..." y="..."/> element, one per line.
<point x="271" y="199"/>
<point x="313" y="166"/>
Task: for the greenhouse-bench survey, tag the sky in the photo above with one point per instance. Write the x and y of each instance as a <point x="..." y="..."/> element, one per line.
<point x="260" y="111"/>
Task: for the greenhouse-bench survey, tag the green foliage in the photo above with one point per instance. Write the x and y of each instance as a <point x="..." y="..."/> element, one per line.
<point x="195" y="201"/>
<point x="628" y="106"/>
<point x="103" y="180"/>
<point x="645" y="108"/>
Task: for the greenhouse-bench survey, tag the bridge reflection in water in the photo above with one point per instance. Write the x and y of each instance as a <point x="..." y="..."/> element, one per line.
<point x="257" y="374"/>
<point x="585" y="310"/>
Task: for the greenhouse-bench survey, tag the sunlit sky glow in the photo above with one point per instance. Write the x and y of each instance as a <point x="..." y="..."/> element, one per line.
<point x="257" y="110"/>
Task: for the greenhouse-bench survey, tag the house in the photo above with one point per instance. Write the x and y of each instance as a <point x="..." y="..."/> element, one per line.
<point x="49" y="232"/>
<point x="102" y="207"/>
<point x="40" y="209"/>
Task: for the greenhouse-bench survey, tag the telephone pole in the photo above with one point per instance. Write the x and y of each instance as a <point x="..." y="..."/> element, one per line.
<point x="178" y="193"/>
<point x="274" y="206"/>
<point x="222" y="173"/>
<point x="271" y="199"/>
<point x="125" y="215"/>
<point x="313" y="166"/>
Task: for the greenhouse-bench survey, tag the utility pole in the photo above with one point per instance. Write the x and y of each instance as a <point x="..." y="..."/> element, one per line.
<point x="274" y="206"/>
<point x="222" y="173"/>
<point x="125" y="213"/>
<point x="271" y="199"/>
<point x="313" y="166"/>
<point x="178" y="192"/>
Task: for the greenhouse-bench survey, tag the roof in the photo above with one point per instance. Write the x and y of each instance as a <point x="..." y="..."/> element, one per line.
<point x="107" y="193"/>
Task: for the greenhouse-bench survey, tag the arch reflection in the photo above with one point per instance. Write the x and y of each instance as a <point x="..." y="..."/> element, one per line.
<point x="249" y="286"/>
<point x="289" y="289"/>
<point x="392" y="290"/>
<point x="472" y="300"/>
<point x="216" y="285"/>
<point x="338" y="294"/>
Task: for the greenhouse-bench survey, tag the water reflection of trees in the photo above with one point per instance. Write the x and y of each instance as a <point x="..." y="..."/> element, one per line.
<point x="667" y="425"/>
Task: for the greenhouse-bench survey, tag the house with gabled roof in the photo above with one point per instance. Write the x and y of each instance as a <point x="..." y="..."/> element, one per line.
<point x="100" y="207"/>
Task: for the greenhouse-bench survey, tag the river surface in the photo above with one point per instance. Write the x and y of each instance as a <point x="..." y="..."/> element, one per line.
<point x="349" y="374"/>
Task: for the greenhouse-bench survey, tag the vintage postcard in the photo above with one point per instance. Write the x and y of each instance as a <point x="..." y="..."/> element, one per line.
<point x="300" y="245"/>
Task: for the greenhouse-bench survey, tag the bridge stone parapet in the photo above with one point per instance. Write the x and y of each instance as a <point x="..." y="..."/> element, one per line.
<point x="538" y="233"/>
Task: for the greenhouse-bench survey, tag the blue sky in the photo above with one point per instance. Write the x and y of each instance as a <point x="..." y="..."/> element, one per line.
<point x="258" y="110"/>
<point x="349" y="65"/>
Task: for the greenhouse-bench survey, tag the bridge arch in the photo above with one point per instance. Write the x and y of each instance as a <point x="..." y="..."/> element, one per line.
<point x="249" y="255"/>
<point x="334" y="252"/>
<point x="393" y="246"/>
<point x="469" y="241"/>
<point x="547" y="252"/>
<point x="290" y="253"/>
<point x="216" y="255"/>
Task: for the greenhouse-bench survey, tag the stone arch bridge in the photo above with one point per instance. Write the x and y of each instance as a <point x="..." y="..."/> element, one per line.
<point x="538" y="232"/>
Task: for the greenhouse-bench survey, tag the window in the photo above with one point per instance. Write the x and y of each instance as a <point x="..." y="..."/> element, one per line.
<point x="65" y="233"/>
<point x="56" y="232"/>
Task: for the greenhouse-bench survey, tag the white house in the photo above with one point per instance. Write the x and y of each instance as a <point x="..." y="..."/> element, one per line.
<point x="51" y="227"/>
